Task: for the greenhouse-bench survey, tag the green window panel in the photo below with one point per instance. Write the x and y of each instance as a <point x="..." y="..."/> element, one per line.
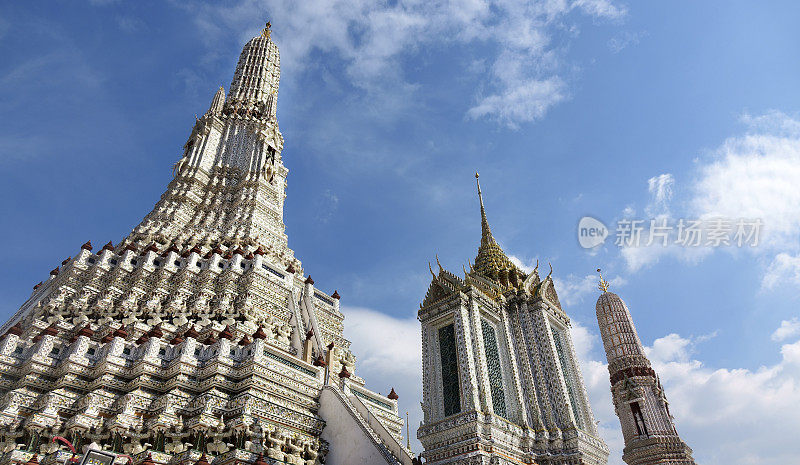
<point x="449" y="357"/>
<point x="494" y="369"/>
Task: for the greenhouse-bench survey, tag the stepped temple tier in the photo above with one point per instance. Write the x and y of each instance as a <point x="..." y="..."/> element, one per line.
<point x="198" y="338"/>
<point x="639" y="400"/>
<point x="501" y="383"/>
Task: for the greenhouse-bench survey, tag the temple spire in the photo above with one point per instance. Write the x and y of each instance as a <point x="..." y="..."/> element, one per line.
<point x="486" y="232"/>
<point x="217" y="103"/>
<point x="491" y="261"/>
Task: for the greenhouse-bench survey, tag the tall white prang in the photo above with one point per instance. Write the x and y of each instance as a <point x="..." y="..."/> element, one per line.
<point x="197" y="338"/>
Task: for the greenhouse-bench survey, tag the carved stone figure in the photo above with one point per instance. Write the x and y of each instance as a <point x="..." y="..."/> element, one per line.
<point x="310" y="453"/>
<point x="283" y="333"/>
<point x="294" y="451"/>
<point x="274" y="443"/>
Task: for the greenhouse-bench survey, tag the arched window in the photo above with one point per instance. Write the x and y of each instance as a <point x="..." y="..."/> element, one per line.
<point x="638" y="419"/>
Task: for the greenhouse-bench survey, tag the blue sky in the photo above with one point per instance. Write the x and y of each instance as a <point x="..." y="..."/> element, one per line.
<point x="567" y="109"/>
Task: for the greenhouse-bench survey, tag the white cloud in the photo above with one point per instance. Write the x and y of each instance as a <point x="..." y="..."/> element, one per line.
<point x="628" y="211"/>
<point x="756" y="176"/>
<point x="784" y="269"/>
<point x="601" y="8"/>
<point x="660" y="188"/>
<point x="752" y="176"/>
<point x="736" y="415"/>
<point x="727" y="415"/>
<point x="573" y="289"/>
<point x="787" y="329"/>
<point x="385" y="345"/>
<point x="623" y="40"/>
<point x="772" y="122"/>
<point x="638" y="253"/>
<point x="389" y="354"/>
<point x="527" y="266"/>
<point x="595" y="378"/>
<point x="372" y="39"/>
<point x="669" y="347"/>
<point x="525" y="100"/>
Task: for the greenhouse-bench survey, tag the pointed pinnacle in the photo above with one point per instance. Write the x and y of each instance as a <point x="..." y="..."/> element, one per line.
<point x="486" y="232"/>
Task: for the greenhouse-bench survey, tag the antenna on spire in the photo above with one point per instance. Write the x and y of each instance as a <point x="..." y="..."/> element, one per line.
<point x="603" y="285"/>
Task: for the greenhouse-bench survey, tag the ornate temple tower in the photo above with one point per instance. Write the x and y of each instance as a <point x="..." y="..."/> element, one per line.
<point x="639" y="399"/>
<point x="197" y="338"/>
<point x="501" y="383"/>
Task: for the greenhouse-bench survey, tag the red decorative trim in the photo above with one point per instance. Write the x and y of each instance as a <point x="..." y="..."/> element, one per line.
<point x="630" y="372"/>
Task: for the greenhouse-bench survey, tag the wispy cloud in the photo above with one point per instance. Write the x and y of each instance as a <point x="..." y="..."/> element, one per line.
<point x="130" y="24"/>
<point x="574" y="289"/>
<point x="191" y="83"/>
<point x="60" y="80"/>
<point x="623" y="40"/>
<point x="521" y="100"/>
<point x="326" y="206"/>
<point x="660" y="188"/>
<point x="522" y="43"/>
<point x="754" y="176"/>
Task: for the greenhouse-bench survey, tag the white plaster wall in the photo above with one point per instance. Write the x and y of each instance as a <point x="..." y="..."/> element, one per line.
<point x="349" y="444"/>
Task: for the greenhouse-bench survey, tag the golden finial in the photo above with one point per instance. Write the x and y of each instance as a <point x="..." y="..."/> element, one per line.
<point x="603" y="285"/>
<point x="265" y="33"/>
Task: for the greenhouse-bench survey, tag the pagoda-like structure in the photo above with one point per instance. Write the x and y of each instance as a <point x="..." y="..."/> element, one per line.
<point x="198" y="338"/>
<point x="501" y="382"/>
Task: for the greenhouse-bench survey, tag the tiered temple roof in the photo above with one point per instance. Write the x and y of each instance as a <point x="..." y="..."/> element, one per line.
<point x="198" y="338"/>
